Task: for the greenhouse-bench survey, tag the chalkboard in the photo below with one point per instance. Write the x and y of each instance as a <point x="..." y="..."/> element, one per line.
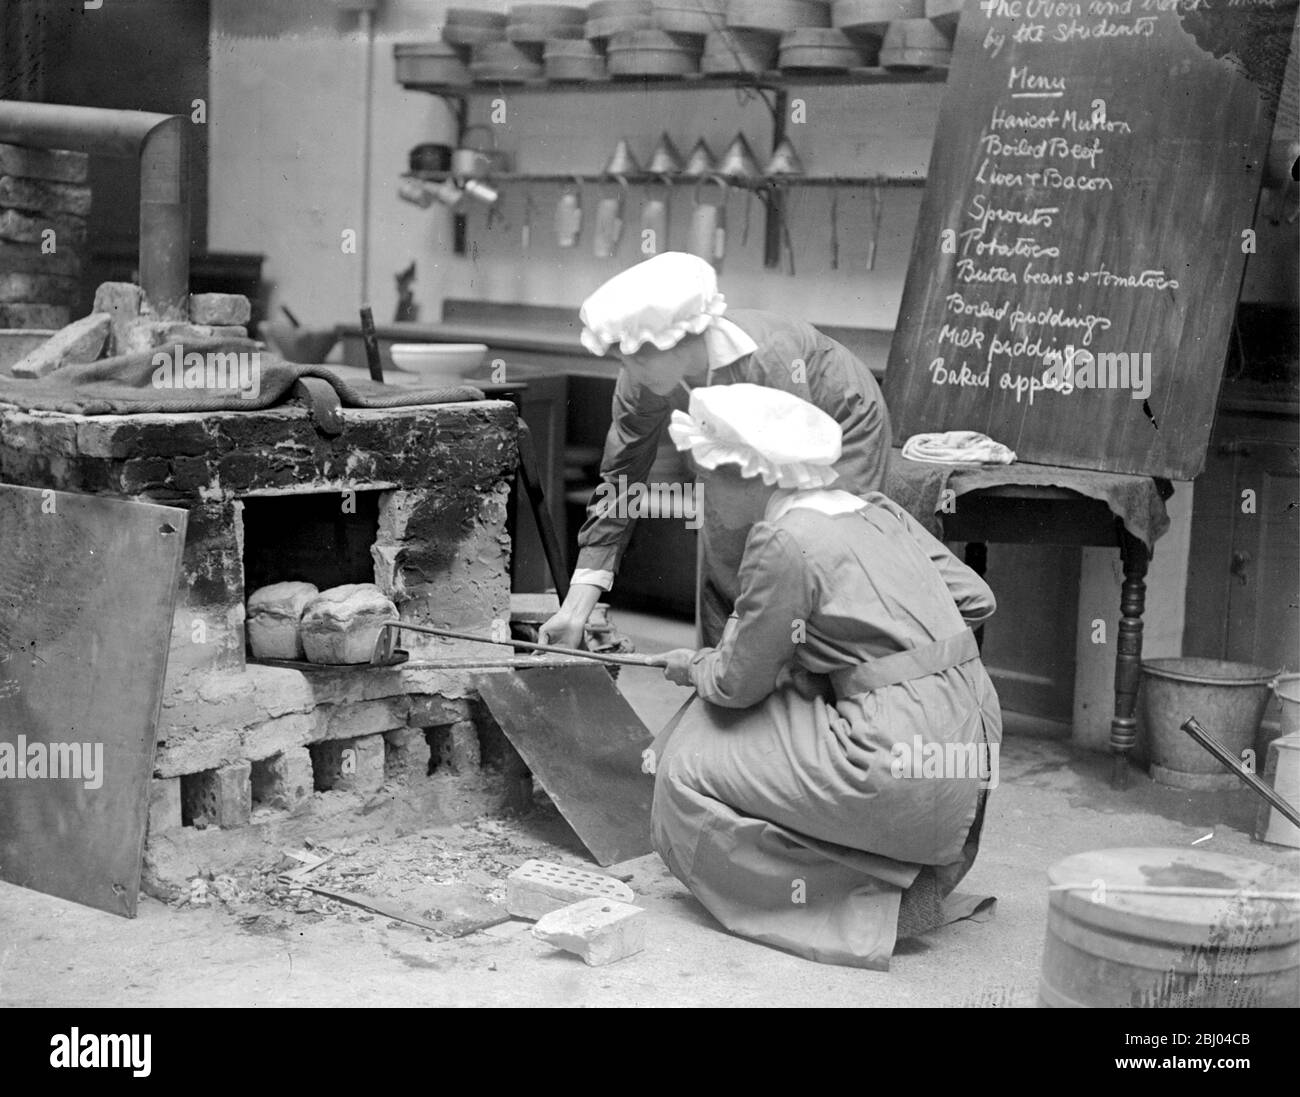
<point x="1085" y="227"/>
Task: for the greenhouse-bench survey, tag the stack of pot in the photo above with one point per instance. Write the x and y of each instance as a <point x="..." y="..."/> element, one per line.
<point x="429" y="64"/>
<point x="554" y="35"/>
<point x="653" y="52"/>
<point x="909" y="35"/>
<point x="606" y="18"/>
<point x="794" y="33"/>
<point x="573" y="60"/>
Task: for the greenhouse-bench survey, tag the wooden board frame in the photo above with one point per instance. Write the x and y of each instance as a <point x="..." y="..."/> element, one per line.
<point x="1164" y="118"/>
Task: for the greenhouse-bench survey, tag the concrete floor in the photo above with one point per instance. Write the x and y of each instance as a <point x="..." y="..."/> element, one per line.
<point x="1051" y="803"/>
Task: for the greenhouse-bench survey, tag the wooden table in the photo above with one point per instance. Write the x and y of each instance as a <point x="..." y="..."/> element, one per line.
<point x="1045" y="515"/>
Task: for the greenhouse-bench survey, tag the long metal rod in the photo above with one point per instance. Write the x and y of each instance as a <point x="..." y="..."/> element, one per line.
<point x="367" y="125"/>
<point x="1229" y="762"/>
<point x="775" y="80"/>
<point x="600" y="657"/>
<point x="766" y="183"/>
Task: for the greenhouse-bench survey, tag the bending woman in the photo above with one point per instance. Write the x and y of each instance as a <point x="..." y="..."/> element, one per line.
<point x="828" y="794"/>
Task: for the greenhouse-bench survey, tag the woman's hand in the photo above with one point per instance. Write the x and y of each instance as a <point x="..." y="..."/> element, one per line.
<point x="677" y="665"/>
<point x="567" y="627"/>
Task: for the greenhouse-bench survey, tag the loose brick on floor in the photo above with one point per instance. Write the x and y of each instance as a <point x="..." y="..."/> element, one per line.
<point x="537" y="888"/>
<point x="599" y="930"/>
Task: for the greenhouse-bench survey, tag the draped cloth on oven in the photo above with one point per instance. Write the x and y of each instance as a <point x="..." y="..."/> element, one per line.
<point x="126" y="385"/>
<point x="777" y="801"/>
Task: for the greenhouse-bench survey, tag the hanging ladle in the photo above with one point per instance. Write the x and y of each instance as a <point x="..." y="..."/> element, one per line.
<point x="708" y="237"/>
<point x="655" y="218"/>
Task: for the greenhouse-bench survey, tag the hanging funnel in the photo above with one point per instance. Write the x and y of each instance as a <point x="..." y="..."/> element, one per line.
<point x="665" y="160"/>
<point x="785" y="161"/>
<point x="622" y="162"/>
<point x="700" y="161"/>
<point x="738" y="161"/>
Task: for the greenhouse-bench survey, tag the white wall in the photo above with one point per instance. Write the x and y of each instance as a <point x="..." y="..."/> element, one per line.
<point x="286" y="125"/>
<point x="286" y="137"/>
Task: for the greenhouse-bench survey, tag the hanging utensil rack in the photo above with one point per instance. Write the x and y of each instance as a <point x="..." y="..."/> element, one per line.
<point x="772" y="88"/>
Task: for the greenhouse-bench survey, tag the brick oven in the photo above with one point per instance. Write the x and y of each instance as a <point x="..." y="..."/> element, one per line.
<point x="413" y="499"/>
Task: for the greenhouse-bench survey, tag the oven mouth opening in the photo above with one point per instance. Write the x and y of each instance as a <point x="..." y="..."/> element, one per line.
<point x="324" y="538"/>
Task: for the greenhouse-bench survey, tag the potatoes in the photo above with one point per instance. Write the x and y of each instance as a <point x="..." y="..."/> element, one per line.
<point x="274" y="613"/>
<point x="341" y="625"/>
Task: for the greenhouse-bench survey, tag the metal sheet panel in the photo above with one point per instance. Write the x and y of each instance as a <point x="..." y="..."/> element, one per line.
<point x="87" y="590"/>
<point x="583" y="743"/>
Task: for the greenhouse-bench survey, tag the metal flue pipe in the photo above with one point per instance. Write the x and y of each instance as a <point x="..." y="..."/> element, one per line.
<point x="158" y="140"/>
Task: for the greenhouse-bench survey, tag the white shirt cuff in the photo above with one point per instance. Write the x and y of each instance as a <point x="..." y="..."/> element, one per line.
<point x="593" y="577"/>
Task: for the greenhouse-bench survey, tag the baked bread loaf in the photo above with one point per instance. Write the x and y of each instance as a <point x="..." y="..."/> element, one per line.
<point x="274" y="613"/>
<point x="341" y="625"/>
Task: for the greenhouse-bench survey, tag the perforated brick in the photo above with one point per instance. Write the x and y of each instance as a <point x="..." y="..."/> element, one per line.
<point x="536" y="888"/>
<point x="599" y="930"/>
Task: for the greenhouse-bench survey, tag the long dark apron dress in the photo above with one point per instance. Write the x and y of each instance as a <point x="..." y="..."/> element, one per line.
<point x="782" y="812"/>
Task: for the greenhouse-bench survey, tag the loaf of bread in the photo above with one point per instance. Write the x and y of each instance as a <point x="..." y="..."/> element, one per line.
<point x="341" y="625"/>
<point x="274" y="613"/>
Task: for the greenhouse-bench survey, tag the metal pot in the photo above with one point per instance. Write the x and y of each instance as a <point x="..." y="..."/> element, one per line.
<point x="430" y="156"/>
<point x="469" y="161"/>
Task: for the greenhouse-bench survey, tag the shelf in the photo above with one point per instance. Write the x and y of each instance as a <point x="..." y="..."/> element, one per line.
<point x="772" y="88"/>
<point x="647" y="179"/>
<point x="768" y="81"/>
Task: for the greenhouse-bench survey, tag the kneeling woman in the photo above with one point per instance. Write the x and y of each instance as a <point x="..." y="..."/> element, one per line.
<point x="794" y="801"/>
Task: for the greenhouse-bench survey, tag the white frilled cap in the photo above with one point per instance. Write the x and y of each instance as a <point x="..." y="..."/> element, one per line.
<point x="767" y="432"/>
<point x="659" y="302"/>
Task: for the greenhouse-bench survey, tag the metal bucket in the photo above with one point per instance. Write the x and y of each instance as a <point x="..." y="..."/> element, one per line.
<point x="1286" y="687"/>
<point x="1227" y="698"/>
<point x="1170" y="928"/>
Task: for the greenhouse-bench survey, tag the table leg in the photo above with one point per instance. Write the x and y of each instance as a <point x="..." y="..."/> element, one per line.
<point x="977" y="559"/>
<point x="1128" y="657"/>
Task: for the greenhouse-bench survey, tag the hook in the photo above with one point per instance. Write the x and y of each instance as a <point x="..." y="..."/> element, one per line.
<point x="711" y="177"/>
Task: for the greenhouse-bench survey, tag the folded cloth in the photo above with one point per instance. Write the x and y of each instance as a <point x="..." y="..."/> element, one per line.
<point x="957" y="447"/>
<point x="221" y="375"/>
